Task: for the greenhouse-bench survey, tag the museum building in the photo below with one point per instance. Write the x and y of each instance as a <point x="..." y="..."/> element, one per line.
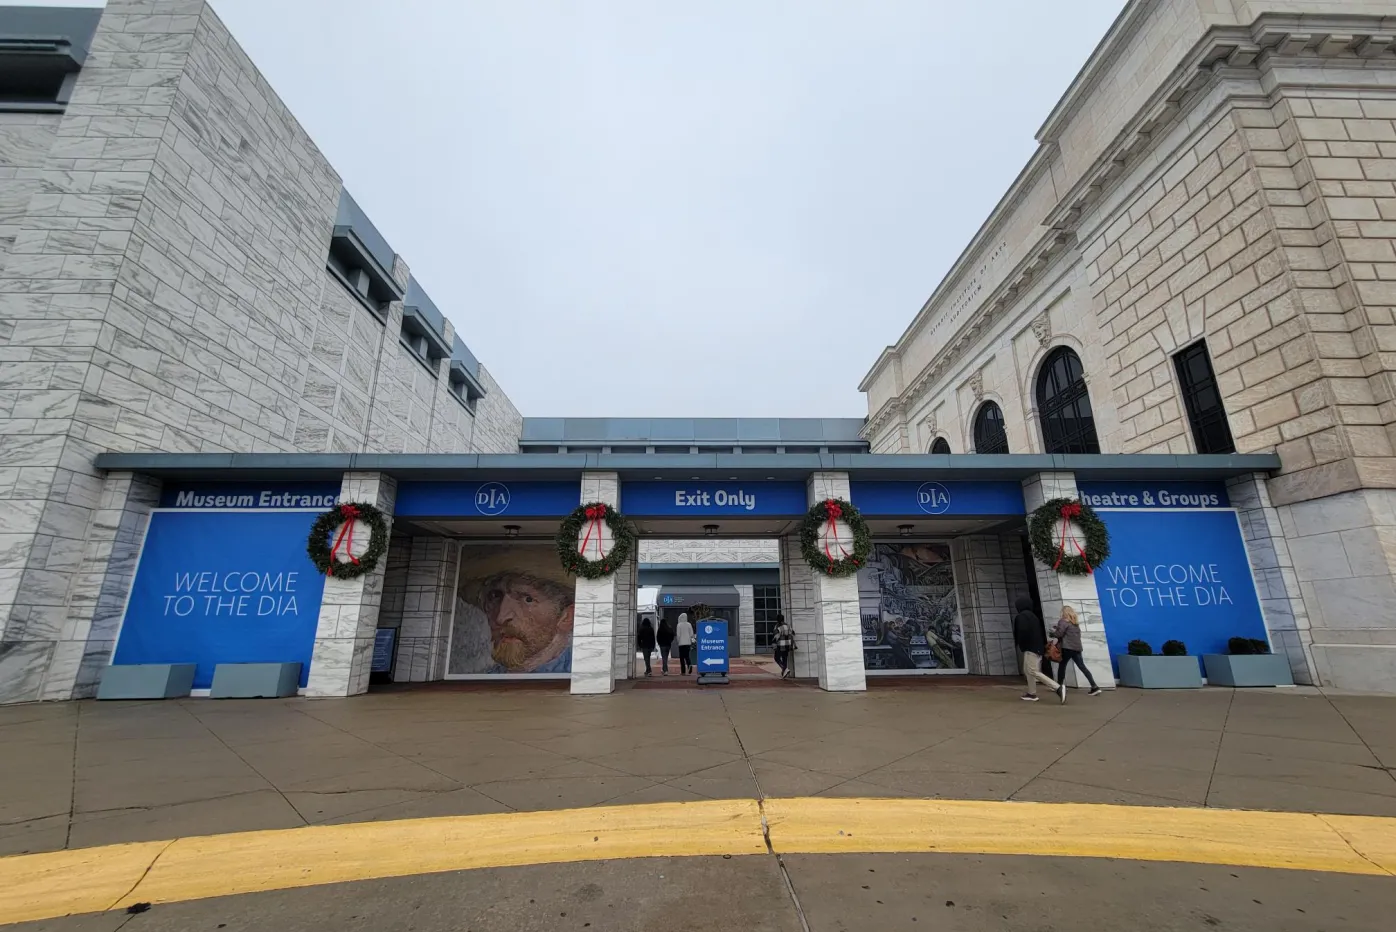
<point x="1175" y="317"/>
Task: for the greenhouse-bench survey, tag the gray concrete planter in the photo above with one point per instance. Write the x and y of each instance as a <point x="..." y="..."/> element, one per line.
<point x="1158" y="672"/>
<point x="1247" y="670"/>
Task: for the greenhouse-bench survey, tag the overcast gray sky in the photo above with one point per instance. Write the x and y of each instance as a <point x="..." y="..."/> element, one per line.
<point x="641" y="208"/>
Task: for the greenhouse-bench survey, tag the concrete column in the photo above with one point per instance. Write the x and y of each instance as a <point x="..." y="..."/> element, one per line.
<point x="1277" y="582"/>
<point x="428" y="604"/>
<point x="987" y="579"/>
<point x="594" y="626"/>
<point x="343" y="655"/>
<point x="101" y="586"/>
<point x="746" y="620"/>
<point x="837" y="621"/>
<point x="1057" y="589"/>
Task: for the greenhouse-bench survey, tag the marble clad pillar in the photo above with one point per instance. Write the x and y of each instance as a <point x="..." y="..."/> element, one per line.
<point x="1057" y="589"/>
<point x="837" y="622"/>
<point x="343" y="654"/>
<point x="594" y="622"/>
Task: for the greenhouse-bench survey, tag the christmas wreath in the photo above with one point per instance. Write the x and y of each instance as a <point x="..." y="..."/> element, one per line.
<point x="581" y="532"/>
<point x="1053" y="543"/>
<point x="820" y="543"/>
<point x="335" y="557"/>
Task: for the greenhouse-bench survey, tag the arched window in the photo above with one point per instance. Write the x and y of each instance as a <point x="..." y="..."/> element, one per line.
<point x="989" y="436"/>
<point x="941" y="445"/>
<point x="1064" y="405"/>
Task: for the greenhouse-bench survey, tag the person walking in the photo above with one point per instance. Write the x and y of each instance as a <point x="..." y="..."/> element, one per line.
<point x="646" y="643"/>
<point x="683" y="636"/>
<point x="784" y="644"/>
<point x="1031" y="640"/>
<point x="665" y="639"/>
<point x="1067" y="634"/>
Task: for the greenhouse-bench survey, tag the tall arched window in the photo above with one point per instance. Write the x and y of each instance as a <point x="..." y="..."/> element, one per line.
<point x="1064" y="405"/>
<point x="941" y="445"/>
<point x="989" y="436"/>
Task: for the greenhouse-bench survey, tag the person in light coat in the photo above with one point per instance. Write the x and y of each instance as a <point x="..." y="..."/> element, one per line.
<point x="1067" y="634"/>
<point x="683" y="637"/>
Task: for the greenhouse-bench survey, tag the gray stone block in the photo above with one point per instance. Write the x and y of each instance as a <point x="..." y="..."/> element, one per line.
<point x="255" y="680"/>
<point x="1247" y="670"/>
<point x="146" y="681"/>
<point x="1159" y="672"/>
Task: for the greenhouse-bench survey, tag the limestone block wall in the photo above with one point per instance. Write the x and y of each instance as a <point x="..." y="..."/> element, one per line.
<point x="989" y="576"/>
<point x="25" y="140"/>
<point x="498" y="424"/>
<point x="340" y="372"/>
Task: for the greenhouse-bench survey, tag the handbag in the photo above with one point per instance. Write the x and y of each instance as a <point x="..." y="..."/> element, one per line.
<point x="1054" y="652"/>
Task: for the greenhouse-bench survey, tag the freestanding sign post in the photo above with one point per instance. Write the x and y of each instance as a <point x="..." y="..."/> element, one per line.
<point x="712" y="651"/>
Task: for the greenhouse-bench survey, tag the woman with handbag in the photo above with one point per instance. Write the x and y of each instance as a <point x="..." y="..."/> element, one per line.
<point x="1066" y="641"/>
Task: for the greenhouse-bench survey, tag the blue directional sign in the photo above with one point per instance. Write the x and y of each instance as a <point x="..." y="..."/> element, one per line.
<point x="712" y="646"/>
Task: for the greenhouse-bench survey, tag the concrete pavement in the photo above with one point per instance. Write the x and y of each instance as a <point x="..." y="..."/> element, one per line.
<point x="84" y="774"/>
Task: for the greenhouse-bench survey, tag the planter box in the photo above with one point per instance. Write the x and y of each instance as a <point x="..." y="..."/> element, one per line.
<point x="146" y="681"/>
<point x="254" y="680"/>
<point x="1248" y="670"/>
<point x="1159" y="672"/>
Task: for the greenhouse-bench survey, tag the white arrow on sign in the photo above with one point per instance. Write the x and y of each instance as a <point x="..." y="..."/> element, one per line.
<point x="711" y="662"/>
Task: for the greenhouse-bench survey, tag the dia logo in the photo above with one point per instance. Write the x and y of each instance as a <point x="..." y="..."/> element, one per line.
<point x="492" y="498"/>
<point x="933" y="498"/>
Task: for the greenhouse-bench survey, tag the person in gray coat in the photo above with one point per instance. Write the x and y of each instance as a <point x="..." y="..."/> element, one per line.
<point x="1067" y="634"/>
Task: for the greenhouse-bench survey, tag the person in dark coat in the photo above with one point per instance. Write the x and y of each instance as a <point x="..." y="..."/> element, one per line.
<point x="1030" y="638"/>
<point x="665" y="639"/>
<point x="646" y="643"/>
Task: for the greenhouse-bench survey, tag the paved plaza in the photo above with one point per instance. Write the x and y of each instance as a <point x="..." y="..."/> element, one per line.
<point x="86" y="774"/>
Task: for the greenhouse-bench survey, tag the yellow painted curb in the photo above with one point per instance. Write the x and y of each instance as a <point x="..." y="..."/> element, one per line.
<point x="1293" y="840"/>
<point x="46" y="886"/>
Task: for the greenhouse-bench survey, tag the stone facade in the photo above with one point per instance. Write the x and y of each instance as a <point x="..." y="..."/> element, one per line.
<point x="163" y="287"/>
<point x="1220" y="171"/>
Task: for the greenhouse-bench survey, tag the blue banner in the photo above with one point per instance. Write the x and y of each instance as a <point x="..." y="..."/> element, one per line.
<point x="1154" y="494"/>
<point x="937" y="498"/>
<point x="384" y="640"/>
<point x="712" y="646"/>
<point x="223" y="496"/>
<point x="713" y="499"/>
<point x="229" y="587"/>
<point x="488" y="499"/>
<point x="1180" y="575"/>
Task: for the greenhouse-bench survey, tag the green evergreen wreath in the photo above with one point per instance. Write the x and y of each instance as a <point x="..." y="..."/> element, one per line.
<point x="339" y="523"/>
<point x="572" y="531"/>
<point x="1049" y="543"/>
<point x="829" y="555"/>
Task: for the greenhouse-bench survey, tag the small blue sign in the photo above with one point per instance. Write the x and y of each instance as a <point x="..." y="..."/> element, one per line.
<point x="667" y="599"/>
<point x="937" y="498"/>
<point x="712" y="646"/>
<point x="702" y="499"/>
<point x="487" y="499"/>
<point x="1178" y="575"/>
<point x="228" y="496"/>
<point x="1161" y="494"/>
<point x="383" y="641"/>
<point x="223" y="587"/>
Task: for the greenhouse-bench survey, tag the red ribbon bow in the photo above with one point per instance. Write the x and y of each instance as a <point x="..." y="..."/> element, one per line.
<point x="345" y="537"/>
<point x="595" y="514"/>
<point x="833" y="510"/>
<point x="1070" y="510"/>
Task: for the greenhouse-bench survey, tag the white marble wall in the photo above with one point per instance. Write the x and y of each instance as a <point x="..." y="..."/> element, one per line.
<point x="594" y="627"/>
<point x="1276" y="580"/>
<point x="1056" y="589"/>
<point x="343" y="655"/>
<point x="428" y="599"/>
<point x="746" y="620"/>
<point x="989" y="575"/>
<point x="799" y="601"/>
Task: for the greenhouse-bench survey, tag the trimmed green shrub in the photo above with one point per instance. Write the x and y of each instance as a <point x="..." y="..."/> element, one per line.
<point x="1139" y="648"/>
<point x="1240" y="646"/>
<point x="1175" y="649"/>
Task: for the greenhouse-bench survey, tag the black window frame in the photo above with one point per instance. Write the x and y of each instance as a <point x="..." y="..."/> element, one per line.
<point x="1064" y="411"/>
<point x="940" y="446"/>
<point x="1202" y="400"/>
<point x="987" y="419"/>
<point x="765" y="607"/>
